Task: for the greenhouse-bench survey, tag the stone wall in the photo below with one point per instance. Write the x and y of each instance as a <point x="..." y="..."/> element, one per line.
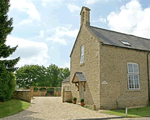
<point x="114" y="71"/>
<point x="66" y="95"/>
<point x="22" y="95"/>
<point x="90" y="67"/>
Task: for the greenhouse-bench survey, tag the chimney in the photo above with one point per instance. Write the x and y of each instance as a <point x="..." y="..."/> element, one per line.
<point x="85" y="16"/>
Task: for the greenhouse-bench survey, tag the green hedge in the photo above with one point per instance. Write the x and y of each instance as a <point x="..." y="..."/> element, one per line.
<point x="36" y="89"/>
<point x="42" y="89"/>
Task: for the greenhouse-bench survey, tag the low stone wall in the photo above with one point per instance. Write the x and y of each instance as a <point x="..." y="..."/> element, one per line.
<point x="22" y="95"/>
<point x="39" y="93"/>
<point x="43" y="93"/>
<point x="67" y="96"/>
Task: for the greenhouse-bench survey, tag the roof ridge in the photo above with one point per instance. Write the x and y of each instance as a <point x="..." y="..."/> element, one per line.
<point x="120" y="33"/>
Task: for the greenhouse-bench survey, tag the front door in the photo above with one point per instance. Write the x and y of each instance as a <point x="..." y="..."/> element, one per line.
<point x="81" y="91"/>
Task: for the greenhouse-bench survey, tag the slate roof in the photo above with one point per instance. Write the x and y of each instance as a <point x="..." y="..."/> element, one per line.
<point x="113" y="38"/>
<point x="67" y="79"/>
<point x="80" y="76"/>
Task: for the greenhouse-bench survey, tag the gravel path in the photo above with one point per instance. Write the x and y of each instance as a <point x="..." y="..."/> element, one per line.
<point x="51" y="108"/>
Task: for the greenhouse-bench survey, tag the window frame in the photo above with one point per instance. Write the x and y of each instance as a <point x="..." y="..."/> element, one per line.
<point x="133" y="73"/>
<point x="82" y="54"/>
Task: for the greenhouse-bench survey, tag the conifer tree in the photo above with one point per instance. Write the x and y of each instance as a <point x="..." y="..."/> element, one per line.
<point x="5" y="30"/>
<point x="7" y="77"/>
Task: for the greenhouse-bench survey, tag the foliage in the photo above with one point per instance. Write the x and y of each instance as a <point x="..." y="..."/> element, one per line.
<point x="36" y="89"/>
<point x="74" y="99"/>
<point x="50" y="89"/>
<point x="141" y="112"/>
<point x="82" y="100"/>
<point x="35" y="75"/>
<point x="5" y="30"/>
<point x="12" y="107"/>
<point x="7" y="79"/>
<point x="7" y="85"/>
<point x="148" y="103"/>
<point x="42" y="89"/>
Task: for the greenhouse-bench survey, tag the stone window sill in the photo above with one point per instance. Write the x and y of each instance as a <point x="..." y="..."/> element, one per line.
<point x="82" y="64"/>
<point x="134" y="90"/>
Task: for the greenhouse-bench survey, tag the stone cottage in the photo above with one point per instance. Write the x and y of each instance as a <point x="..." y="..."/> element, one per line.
<point x="109" y="67"/>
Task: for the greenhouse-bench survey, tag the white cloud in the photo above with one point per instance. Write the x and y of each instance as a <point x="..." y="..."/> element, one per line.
<point x="65" y="65"/>
<point x="25" y="6"/>
<point x="30" y="52"/>
<point x="103" y="20"/>
<point x="61" y="32"/>
<point x="41" y="34"/>
<point x="57" y="39"/>
<point x="73" y="7"/>
<point x="44" y="2"/>
<point x="92" y="1"/>
<point x="26" y="21"/>
<point x="131" y="18"/>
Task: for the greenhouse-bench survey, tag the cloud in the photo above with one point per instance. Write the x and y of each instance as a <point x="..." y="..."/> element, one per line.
<point x="30" y="52"/>
<point x="65" y="65"/>
<point x="73" y="7"/>
<point x="92" y="1"/>
<point x="61" y="32"/>
<point x="103" y="20"/>
<point x="26" y="21"/>
<point x="57" y="39"/>
<point x="44" y="2"/>
<point x="25" y="6"/>
<point x="132" y="19"/>
<point x="41" y="34"/>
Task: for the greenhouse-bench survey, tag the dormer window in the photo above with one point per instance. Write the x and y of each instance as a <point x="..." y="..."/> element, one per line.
<point x="126" y="43"/>
<point x="82" y="54"/>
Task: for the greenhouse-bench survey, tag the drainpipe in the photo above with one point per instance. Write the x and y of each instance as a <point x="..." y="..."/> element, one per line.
<point x="148" y="75"/>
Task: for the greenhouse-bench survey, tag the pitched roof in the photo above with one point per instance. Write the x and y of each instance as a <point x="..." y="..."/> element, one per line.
<point x="109" y="37"/>
<point x="80" y="77"/>
<point x="67" y="79"/>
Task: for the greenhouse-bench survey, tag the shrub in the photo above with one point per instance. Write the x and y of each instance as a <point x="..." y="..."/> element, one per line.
<point x="7" y="85"/>
<point x="50" y="89"/>
<point x="74" y="99"/>
<point x="42" y="89"/>
<point x="82" y="100"/>
<point x="36" y="89"/>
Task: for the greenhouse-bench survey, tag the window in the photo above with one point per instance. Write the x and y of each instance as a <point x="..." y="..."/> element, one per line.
<point x="126" y="43"/>
<point x="82" y="54"/>
<point x="133" y="76"/>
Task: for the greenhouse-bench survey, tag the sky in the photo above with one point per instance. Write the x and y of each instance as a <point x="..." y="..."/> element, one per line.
<point x="45" y="30"/>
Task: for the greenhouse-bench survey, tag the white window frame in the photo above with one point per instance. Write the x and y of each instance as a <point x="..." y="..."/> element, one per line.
<point x="133" y="73"/>
<point x="82" y="54"/>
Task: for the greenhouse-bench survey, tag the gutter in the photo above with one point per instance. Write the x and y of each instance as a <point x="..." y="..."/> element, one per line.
<point x="148" y="76"/>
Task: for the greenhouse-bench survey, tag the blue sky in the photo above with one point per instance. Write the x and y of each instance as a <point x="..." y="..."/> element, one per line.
<point x="45" y="30"/>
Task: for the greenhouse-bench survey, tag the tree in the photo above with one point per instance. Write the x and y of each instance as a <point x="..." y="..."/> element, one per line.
<point x="30" y="75"/>
<point x="6" y="66"/>
<point x="35" y="75"/>
<point x="5" y="30"/>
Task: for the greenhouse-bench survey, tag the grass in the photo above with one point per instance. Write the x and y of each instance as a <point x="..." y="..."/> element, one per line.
<point x="135" y="112"/>
<point x="12" y="107"/>
<point x="87" y="107"/>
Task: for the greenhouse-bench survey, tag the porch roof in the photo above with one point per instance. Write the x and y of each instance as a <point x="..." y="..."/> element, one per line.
<point x="79" y="77"/>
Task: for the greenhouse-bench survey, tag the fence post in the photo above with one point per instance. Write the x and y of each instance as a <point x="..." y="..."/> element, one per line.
<point x="63" y="95"/>
<point x="126" y="111"/>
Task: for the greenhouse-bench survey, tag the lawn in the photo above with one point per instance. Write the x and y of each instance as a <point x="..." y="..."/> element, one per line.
<point x="12" y="107"/>
<point x="136" y="112"/>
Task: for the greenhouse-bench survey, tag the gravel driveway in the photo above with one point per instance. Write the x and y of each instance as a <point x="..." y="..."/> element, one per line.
<point x="51" y="108"/>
